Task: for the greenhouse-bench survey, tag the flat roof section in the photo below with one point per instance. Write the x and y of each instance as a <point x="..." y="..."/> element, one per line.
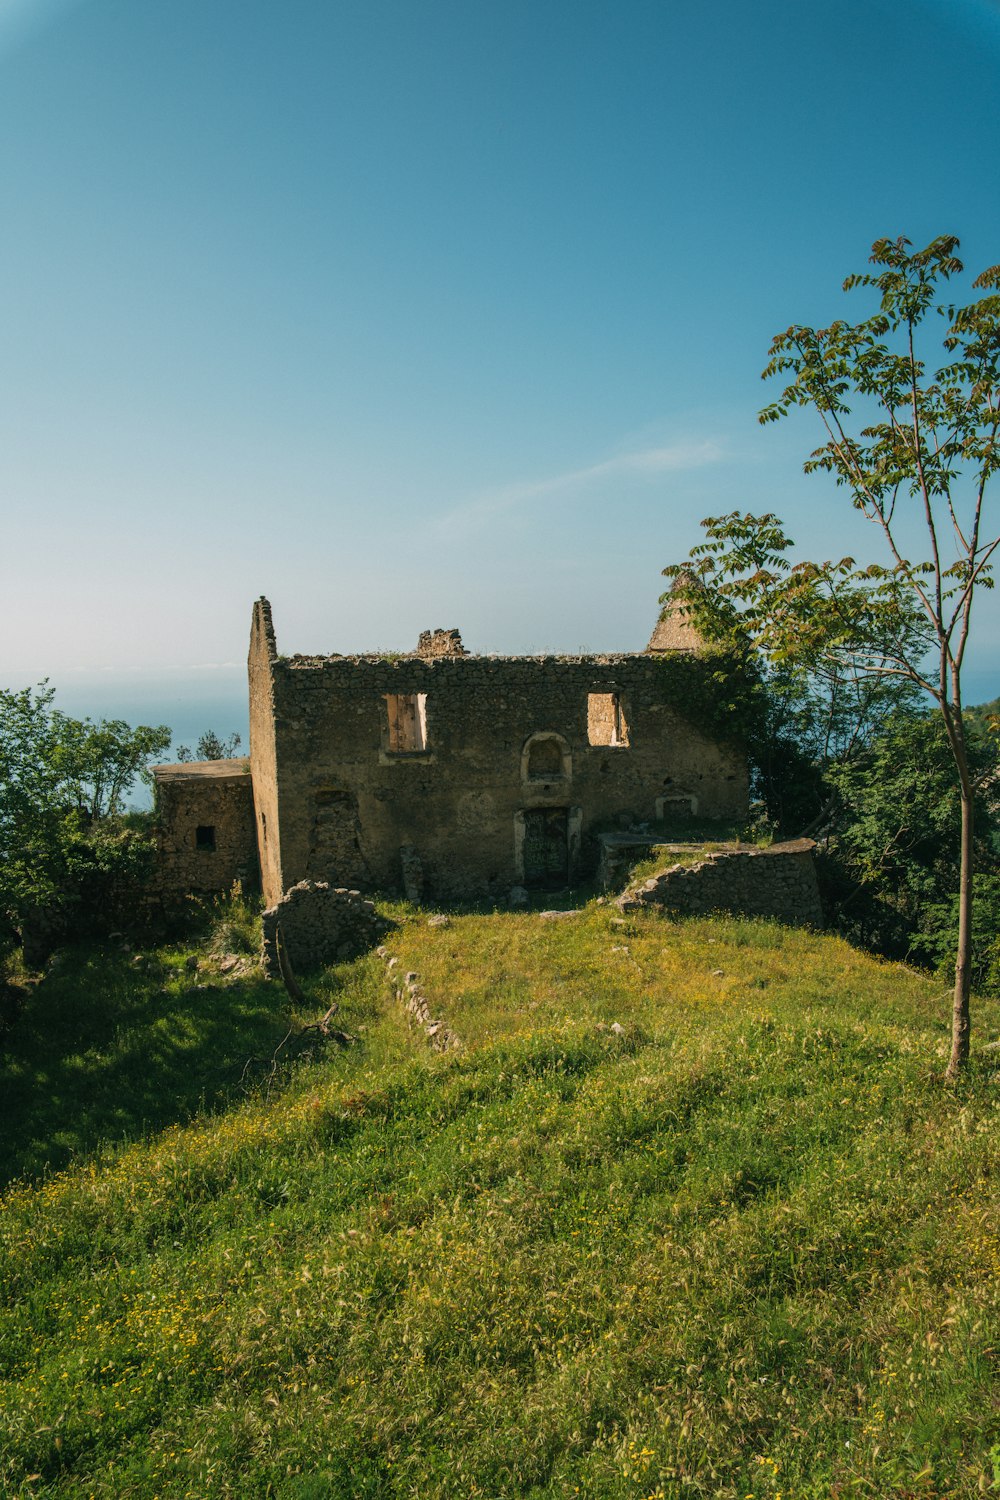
<point x="214" y="770"/>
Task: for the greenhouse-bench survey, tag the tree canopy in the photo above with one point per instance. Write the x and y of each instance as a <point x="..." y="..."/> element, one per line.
<point x="210" y="746"/>
<point x="63" y="782"/>
<point x="914" y="442"/>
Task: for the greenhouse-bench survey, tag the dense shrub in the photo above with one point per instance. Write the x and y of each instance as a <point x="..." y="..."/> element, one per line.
<point x="891" y="867"/>
<point x="70" y="856"/>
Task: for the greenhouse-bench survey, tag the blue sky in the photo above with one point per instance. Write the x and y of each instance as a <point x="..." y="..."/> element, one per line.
<point x="411" y="314"/>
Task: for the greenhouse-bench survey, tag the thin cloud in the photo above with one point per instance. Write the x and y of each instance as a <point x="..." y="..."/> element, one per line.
<point x="642" y="463"/>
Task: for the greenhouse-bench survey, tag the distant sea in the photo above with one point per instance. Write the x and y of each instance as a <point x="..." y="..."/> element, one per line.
<point x="189" y="700"/>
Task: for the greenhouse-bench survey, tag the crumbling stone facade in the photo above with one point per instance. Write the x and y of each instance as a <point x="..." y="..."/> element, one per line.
<point x="465" y="775"/>
<point x="440" y="643"/>
<point x="450" y="775"/>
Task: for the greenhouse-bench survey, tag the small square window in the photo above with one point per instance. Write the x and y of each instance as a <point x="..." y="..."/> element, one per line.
<point x="407" y="722"/>
<point x="605" y="720"/>
<point x="204" y="837"/>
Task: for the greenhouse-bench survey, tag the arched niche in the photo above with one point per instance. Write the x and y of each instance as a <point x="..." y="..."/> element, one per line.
<point x="546" y="758"/>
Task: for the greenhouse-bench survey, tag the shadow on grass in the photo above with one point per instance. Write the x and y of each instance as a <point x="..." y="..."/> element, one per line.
<point x="104" y="1051"/>
<point x="537" y="899"/>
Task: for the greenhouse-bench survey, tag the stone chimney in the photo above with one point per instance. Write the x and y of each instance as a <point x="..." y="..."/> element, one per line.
<point x="440" y="643"/>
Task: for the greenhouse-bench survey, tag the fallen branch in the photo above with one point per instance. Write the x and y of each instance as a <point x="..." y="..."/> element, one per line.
<point x="322" y="1028"/>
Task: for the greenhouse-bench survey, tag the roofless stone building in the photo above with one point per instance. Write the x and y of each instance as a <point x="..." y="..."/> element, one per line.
<point x="453" y="775"/>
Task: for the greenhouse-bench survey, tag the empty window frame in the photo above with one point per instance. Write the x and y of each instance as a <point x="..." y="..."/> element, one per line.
<point x="407" y="714"/>
<point x="204" y="837"/>
<point x="606" y="720"/>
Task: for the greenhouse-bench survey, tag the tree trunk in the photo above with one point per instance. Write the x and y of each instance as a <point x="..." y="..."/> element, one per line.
<point x="960" y="1022"/>
<point x="285" y="967"/>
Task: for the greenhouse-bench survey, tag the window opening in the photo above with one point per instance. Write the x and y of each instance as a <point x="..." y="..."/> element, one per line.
<point x="204" y="837"/>
<point x="606" y="720"/>
<point x="407" y="721"/>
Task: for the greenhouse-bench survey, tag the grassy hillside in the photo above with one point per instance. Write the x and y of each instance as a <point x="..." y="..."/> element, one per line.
<point x="690" y="1213"/>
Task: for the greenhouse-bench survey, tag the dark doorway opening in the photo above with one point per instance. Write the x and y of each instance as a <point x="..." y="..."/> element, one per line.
<point x="546" y="847"/>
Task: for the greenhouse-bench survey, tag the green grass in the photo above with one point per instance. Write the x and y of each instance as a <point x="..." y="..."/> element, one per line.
<point x="689" y="1214"/>
<point x="107" y="1052"/>
<point x="664" y="857"/>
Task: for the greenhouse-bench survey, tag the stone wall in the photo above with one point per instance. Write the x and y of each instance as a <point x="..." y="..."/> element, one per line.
<point x="320" y="924"/>
<point x="475" y="805"/>
<point x="205" y="825"/>
<point x="409" y="992"/>
<point x="779" y="882"/>
<point x="263" y="756"/>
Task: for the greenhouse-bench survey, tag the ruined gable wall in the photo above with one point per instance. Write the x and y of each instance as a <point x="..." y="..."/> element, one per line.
<point x="456" y="802"/>
<point x="263" y="753"/>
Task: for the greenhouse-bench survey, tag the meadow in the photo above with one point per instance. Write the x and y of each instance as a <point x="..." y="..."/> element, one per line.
<point x="689" y="1213"/>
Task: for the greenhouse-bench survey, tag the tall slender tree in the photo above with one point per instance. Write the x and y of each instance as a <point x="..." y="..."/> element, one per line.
<point x="915" y="445"/>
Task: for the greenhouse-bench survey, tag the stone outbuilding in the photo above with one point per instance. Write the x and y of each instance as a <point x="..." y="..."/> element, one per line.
<point x="206" y="827"/>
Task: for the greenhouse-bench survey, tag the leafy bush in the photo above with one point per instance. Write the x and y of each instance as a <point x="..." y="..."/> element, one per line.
<point x="69" y="855"/>
<point x="891" y="870"/>
<point x="210" y="746"/>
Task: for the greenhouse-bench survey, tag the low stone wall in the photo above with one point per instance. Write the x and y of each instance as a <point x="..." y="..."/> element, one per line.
<point x="409" y="992"/>
<point x="320" y="924"/>
<point x="778" y="882"/>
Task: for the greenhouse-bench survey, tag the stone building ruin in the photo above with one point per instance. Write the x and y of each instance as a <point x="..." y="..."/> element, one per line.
<point x="452" y="775"/>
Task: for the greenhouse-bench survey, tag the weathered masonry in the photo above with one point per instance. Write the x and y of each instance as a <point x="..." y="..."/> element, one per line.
<point x="207" y="836"/>
<point x="449" y="774"/>
<point x="461" y="775"/>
